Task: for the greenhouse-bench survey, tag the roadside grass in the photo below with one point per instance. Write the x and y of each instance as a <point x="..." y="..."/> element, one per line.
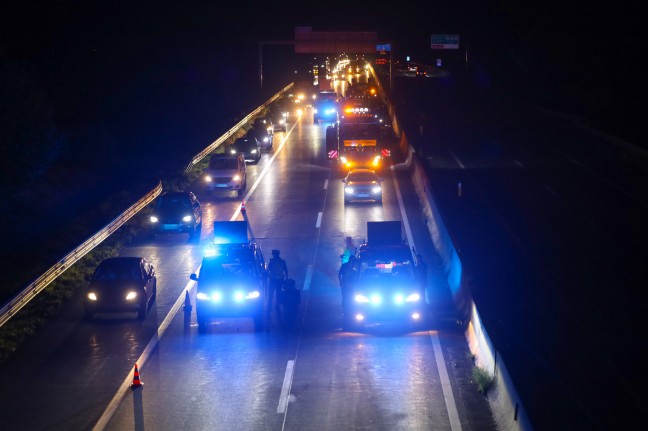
<point x="482" y="378"/>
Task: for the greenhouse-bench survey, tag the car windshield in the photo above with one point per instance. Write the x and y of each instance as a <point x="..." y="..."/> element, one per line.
<point x="118" y="270"/>
<point x="173" y="201"/>
<point x="220" y="163"/>
<point x="225" y="270"/>
<point x="362" y="176"/>
<point x="243" y="144"/>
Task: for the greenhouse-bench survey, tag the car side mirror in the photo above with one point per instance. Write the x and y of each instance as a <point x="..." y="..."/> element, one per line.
<point x="193" y="277"/>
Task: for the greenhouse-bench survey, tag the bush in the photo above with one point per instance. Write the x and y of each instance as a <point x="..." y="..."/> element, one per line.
<point x="483" y="379"/>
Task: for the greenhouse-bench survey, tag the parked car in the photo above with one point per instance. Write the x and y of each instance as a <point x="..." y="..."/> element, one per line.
<point x="362" y="185"/>
<point x="177" y="212"/>
<point x="248" y="146"/>
<point x="263" y="131"/>
<point x="226" y="172"/>
<point x="121" y="284"/>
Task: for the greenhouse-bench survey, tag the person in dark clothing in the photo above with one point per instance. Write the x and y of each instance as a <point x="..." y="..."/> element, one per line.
<point x="347" y="276"/>
<point x="277" y="273"/>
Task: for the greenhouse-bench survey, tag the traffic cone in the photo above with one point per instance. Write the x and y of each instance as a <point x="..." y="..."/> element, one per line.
<point x="187" y="304"/>
<point x="136" y="379"/>
<point x="243" y="207"/>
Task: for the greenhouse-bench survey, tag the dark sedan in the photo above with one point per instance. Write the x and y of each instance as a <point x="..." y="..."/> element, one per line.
<point x="177" y="212"/>
<point x="248" y="146"/>
<point x="121" y="284"/>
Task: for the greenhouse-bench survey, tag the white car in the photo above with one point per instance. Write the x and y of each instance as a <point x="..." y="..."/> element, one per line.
<point x="362" y="185"/>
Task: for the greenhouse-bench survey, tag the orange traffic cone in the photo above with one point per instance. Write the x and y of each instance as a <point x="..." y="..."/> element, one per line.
<point x="243" y="207"/>
<point x="136" y="379"/>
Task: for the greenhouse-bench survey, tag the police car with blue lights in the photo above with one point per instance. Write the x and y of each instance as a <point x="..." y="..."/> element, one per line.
<point x="386" y="288"/>
<point x="232" y="276"/>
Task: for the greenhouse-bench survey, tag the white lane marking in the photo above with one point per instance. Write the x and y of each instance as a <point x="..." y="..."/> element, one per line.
<point x="285" y="388"/>
<point x="309" y="276"/>
<point x="318" y="223"/>
<point x="263" y="173"/>
<point x="451" y="406"/>
<point x="141" y="361"/>
<point x="455" y="423"/>
<point x="326" y="184"/>
<point x="519" y="163"/>
<point x="457" y="160"/>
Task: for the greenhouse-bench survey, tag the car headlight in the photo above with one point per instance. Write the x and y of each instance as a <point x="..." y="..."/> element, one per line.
<point x="232" y="151"/>
<point x="236" y="178"/>
<point x="361" y="298"/>
<point x="208" y="179"/>
<point x="186" y="218"/>
<point x="414" y="297"/>
<point x="376" y="190"/>
<point x="131" y="295"/>
<point x="348" y="190"/>
<point x="154" y="219"/>
<point x="253" y="151"/>
<point x="314" y="111"/>
<point x="343" y="159"/>
<point x="92" y="296"/>
<point x="266" y="139"/>
<point x="202" y="296"/>
<point x="253" y="295"/>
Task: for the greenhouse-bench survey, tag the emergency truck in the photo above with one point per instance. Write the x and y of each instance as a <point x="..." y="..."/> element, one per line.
<point x="387" y="288"/>
<point x="357" y="139"/>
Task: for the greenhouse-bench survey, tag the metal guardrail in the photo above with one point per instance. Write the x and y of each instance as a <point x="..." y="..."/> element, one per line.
<point x="16" y="304"/>
<point x="34" y="288"/>
<point x="204" y="153"/>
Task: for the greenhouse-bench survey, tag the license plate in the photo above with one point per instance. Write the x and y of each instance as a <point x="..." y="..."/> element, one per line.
<point x="222" y="185"/>
<point x="170" y="226"/>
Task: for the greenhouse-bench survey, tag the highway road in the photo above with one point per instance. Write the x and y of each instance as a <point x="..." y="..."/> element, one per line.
<point x="75" y="374"/>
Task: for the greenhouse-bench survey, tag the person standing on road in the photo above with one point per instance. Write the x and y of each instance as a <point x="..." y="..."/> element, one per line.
<point x="347" y="276"/>
<point x="277" y="273"/>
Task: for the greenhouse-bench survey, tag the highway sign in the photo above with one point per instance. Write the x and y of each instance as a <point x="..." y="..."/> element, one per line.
<point x="384" y="47"/>
<point x="445" y="41"/>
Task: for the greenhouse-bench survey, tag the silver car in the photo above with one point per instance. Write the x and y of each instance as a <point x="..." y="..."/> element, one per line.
<point x="362" y="185"/>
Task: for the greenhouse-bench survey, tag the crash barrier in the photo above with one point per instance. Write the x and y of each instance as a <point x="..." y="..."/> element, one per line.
<point x="34" y="288"/>
<point x="20" y="300"/>
<point x="204" y="153"/>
